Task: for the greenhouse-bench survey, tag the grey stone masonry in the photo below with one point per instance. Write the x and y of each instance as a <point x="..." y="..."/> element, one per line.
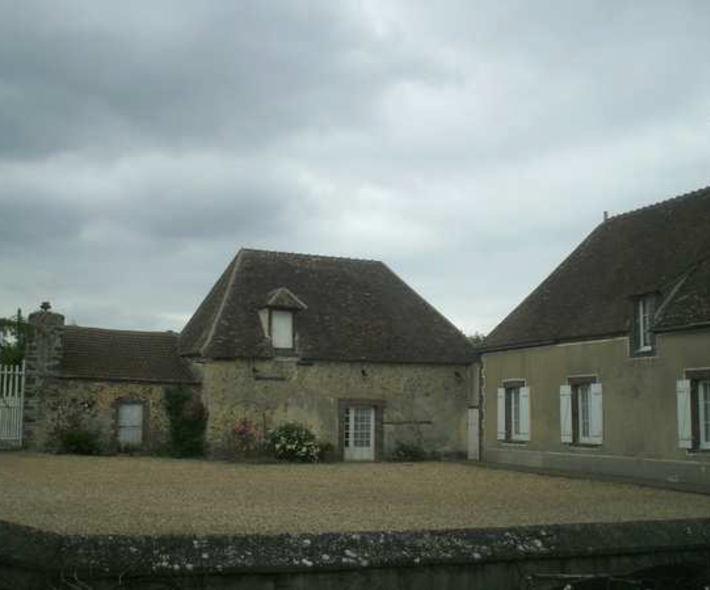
<point x="43" y="356"/>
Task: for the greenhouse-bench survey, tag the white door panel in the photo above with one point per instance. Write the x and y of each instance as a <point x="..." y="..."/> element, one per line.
<point x="359" y="433"/>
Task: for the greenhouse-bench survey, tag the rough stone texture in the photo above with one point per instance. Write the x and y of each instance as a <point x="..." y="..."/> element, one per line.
<point x="43" y="356"/>
<point x="474" y="558"/>
<point x="54" y="403"/>
<point x="425" y="404"/>
<point x="92" y="405"/>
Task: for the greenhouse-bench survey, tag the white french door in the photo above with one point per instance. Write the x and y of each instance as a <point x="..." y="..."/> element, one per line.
<point x="359" y="433"/>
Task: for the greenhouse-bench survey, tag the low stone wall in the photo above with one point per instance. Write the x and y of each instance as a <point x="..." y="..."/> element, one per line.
<point x="458" y="559"/>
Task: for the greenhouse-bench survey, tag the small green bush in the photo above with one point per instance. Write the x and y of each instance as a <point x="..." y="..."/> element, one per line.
<point x="408" y="452"/>
<point x="293" y="442"/>
<point x="327" y="453"/>
<point x="188" y="422"/>
<point x="79" y="441"/>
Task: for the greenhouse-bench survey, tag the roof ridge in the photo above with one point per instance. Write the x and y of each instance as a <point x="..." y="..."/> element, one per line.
<point x="428" y="305"/>
<point x="306" y="255"/>
<point x="658" y="204"/>
<point x="218" y="313"/>
<point x="95" y="328"/>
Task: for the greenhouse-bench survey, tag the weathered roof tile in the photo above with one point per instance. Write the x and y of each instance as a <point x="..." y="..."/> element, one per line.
<point x="356" y="310"/>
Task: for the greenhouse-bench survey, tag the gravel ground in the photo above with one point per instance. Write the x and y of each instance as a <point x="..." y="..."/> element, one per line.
<point x="154" y="496"/>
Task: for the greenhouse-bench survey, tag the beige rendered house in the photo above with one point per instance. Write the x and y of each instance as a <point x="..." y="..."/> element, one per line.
<point x="605" y="367"/>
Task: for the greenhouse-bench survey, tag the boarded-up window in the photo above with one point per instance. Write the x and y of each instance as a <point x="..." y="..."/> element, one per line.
<point x="130" y="424"/>
<point x="281" y="329"/>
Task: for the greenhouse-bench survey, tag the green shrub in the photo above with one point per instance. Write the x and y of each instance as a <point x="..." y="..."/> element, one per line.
<point x="408" y="452"/>
<point x="293" y="442"/>
<point x="327" y="453"/>
<point x="79" y="441"/>
<point x="188" y="421"/>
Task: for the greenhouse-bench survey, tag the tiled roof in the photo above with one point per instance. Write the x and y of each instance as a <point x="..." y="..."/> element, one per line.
<point x="649" y="250"/>
<point x="690" y="304"/>
<point x="96" y="353"/>
<point x="354" y="310"/>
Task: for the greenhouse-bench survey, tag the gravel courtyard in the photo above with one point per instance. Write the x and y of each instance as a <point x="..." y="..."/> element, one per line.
<point x="154" y="496"/>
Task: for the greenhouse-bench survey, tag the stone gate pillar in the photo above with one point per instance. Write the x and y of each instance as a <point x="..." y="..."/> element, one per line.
<point x="43" y="355"/>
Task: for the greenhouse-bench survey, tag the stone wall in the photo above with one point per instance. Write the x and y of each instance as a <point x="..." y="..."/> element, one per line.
<point x="66" y="403"/>
<point x="54" y="403"/>
<point x="422" y="404"/>
<point x="43" y="355"/>
<point x="539" y="557"/>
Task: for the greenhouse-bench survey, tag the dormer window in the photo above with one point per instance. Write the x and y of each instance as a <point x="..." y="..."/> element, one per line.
<point x="278" y="318"/>
<point x="281" y="329"/>
<point x="642" y="336"/>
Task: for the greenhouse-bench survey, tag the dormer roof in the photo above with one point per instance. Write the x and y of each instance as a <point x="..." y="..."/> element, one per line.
<point x="283" y="298"/>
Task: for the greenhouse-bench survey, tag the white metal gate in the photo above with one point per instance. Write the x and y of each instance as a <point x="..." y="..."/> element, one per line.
<point x="12" y="394"/>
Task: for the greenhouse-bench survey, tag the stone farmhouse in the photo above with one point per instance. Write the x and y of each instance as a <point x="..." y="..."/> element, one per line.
<point x="605" y="367"/>
<point x="342" y="345"/>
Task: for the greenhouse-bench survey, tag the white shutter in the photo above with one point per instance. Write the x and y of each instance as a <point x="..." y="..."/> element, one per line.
<point x="685" y="431"/>
<point x="566" y="413"/>
<point x="524" y="433"/>
<point x="596" y="418"/>
<point x="501" y="414"/>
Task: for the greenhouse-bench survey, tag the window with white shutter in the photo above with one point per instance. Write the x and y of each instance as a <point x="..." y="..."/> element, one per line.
<point x="501" y="414"/>
<point x="522" y="432"/>
<point x="581" y="411"/>
<point x="684" y="413"/>
<point x="566" y="434"/>
<point x="514" y="412"/>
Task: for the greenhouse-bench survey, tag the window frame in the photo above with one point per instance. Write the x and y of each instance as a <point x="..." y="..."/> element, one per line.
<point x="292" y="315"/>
<point x="642" y="341"/>
<point x="516" y="420"/>
<point x="702" y="412"/>
<point x="512" y="403"/>
<point x="579" y="384"/>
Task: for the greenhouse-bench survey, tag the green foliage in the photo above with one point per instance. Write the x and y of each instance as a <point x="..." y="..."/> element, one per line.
<point x="13" y="336"/>
<point x="188" y="421"/>
<point x="476" y="338"/>
<point x="328" y="453"/>
<point x="293" y="442"/>
<point x="408" y="452"/>
<point x="79" y="441"/>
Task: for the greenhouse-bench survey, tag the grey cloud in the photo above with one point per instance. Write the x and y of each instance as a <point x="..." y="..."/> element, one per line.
<point x="469" y="145"/>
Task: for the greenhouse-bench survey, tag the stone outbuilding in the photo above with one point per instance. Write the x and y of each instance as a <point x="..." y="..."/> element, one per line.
<point x="342" y="345"/>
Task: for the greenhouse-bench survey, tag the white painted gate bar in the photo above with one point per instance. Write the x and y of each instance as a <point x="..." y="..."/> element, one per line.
<point x="12" y="394"/>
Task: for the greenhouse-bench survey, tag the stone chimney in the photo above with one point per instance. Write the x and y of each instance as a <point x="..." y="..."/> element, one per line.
<point x="43" y="355"/>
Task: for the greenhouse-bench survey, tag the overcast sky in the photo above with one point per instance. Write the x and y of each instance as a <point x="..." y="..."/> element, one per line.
<point x="469" y="145"/>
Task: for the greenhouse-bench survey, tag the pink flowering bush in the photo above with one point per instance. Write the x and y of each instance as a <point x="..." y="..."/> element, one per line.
<point x="246" y="438"/>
